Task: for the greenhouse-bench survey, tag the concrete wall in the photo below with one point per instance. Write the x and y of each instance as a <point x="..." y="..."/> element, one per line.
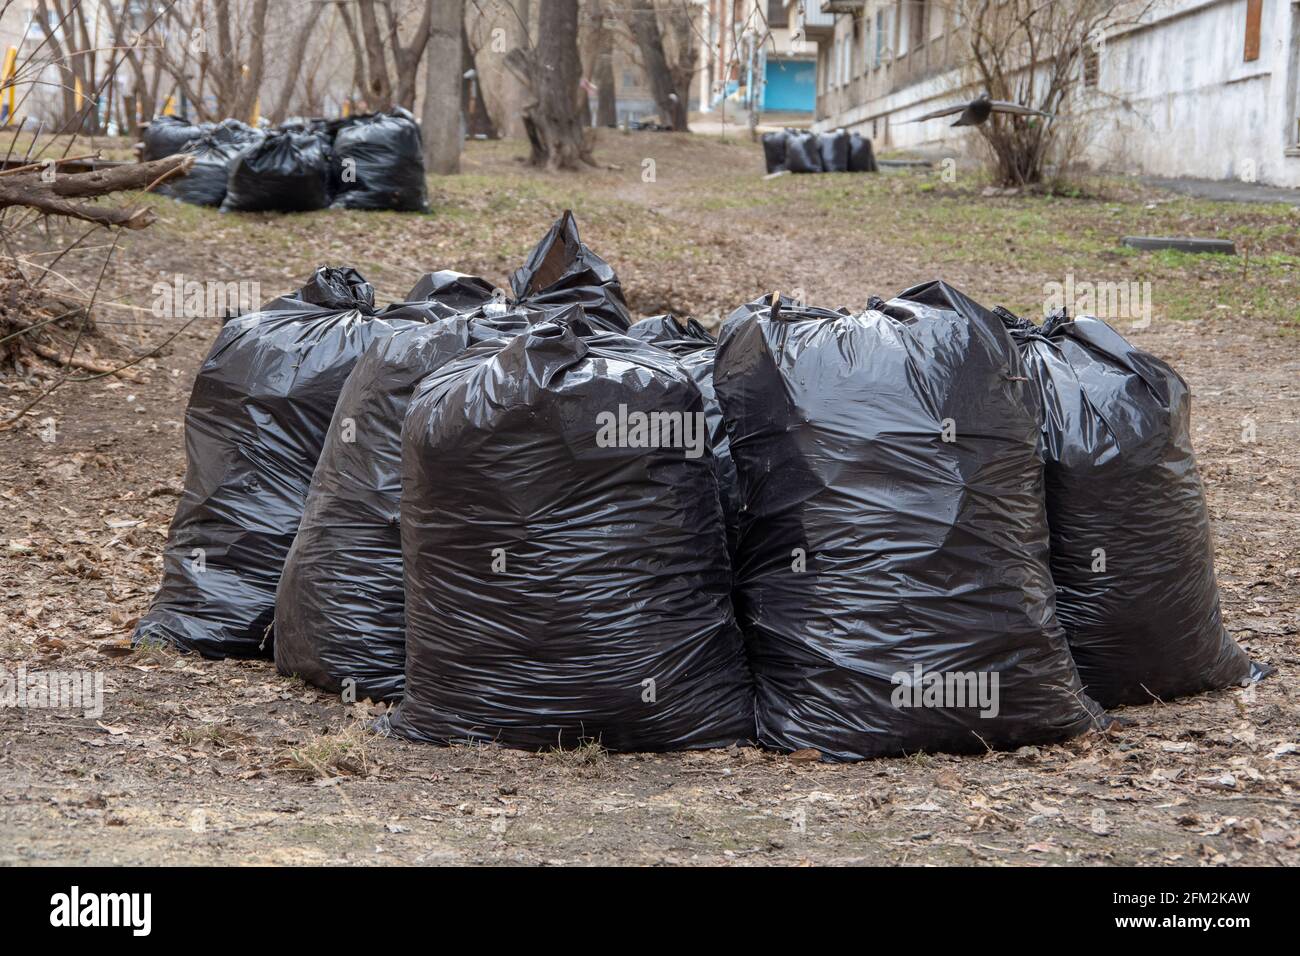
<point x="1174" y="96"/>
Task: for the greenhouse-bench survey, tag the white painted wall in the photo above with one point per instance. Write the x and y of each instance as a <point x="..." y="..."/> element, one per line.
<point x="1175" y="97"/>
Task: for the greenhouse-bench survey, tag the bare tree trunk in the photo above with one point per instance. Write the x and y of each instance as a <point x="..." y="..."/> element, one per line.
<point x="379" y="90"/>
<point x="599" y="64"/>
<point x="643" y="22"/>
<point x="478" y="121"/>
<point x="442" y="88"/>
<point x="554" y="125"/>
<point x="296" y="57"/>
<point x="498" y="28"/>
<point x="407" y="57"/>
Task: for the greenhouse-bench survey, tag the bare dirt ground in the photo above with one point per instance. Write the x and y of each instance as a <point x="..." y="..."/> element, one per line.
<point x="227" y="762"/>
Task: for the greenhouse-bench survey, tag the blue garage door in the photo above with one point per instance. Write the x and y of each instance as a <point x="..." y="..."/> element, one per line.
<point x="791" y="86"/>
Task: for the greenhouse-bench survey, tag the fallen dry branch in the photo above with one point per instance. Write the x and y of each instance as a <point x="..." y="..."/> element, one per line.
<point x="85" y="364"/>
<point x="56" y="196"/>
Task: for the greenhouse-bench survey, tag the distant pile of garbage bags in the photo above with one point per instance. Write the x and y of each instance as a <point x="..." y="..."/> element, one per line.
<point x="373" y="161"/>
<point x="802" y="151"/>
<point x="525" y="519"/>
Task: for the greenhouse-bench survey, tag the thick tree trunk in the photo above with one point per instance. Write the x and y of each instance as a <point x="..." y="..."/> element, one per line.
<point x="500" y="28"/>
<point x="554" y="124"/>
<point x="643" y="22"/>
<point x="599" y="64"/>
<point x="442" y="88"/>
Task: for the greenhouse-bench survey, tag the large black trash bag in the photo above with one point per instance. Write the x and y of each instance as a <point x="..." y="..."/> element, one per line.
<point x="562" y="271"/>
<point x="254" y="428"/>
<point x="232" y="131"/>
<point x="166" y="136"/>
<point x="559" y="589"/>
<point x="803" y="153"/>
<point x="382" y="163"/>
<point x="696" y="349"/>
<point x="1132" y="555"/>
<point x="862" y="158"/>
<point x="774" y="151"/>
<point x="284" y="172"/>
<point x="340" y="614"/>
<point x="878" y="558"/>
<point x="205" y="183"/>
<point x="835" y="151"/>
<point x="452" y="292"/>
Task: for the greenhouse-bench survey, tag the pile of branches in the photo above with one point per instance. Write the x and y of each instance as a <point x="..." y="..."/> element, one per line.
<point x="37" y="325"/>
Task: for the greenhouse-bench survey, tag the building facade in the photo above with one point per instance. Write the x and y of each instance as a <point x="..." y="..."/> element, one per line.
<point x="1196" y="88"/>
<point x="755" y="53"/>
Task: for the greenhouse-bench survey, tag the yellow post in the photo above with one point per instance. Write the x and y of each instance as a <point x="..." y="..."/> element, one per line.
<point x="7" y="76"/>
<point x="257" y="111"/>
<point x="81" y="97"/>
<point x="169" y="107"/>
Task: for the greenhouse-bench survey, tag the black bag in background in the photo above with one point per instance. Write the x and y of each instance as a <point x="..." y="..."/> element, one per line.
<point x="561" y="271"/>
<point x="205" y="183"/>
<point x="894" y="532"/>
<point x="285" y="172"/>
<point x="255" y="424"/>
<point x="562" y="586"/>
<point x="803" y="153"/>
<point x="835" y="151"/>
<point x="233" y="132"/>
<point x="167" y="135"/>
<point x="381" y="159"/>
<point x="774" y="151"/>
<point x="340" y="609"/>
<point x="1132" y="554"/>
<point x="862" y="158"/>
<point x="696" y="349"/>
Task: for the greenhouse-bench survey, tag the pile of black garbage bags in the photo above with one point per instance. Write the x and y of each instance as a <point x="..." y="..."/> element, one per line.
<point x="524" y="519"/>
<point x="802" y="151"/>
<point x="373" y="161"/>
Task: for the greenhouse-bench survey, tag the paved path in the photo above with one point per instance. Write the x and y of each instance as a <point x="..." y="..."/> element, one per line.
<point x="1228" y="190"/>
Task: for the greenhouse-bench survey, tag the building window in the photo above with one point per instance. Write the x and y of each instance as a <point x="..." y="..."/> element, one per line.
<point x="882" y="21"/>
<point x="866" y="45"/>
<point x="1091" y="66"/>
<point x="1254" y="11"/>
<point x="919" y="16"/>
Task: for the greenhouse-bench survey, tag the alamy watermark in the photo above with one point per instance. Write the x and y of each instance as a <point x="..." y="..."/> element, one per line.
<point x="193" y="299"/>
<point x="53" y="690"/>
<point x="676" y="429"/>
<point x="1106" y="300"/>
<point x="947" y="689"/>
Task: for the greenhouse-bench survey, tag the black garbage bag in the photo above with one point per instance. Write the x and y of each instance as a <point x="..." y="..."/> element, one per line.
<point x="232" y="131"/>
<point x="803" y="153"/>
<point x="205" y="183"/>
<point x="166" y="136"/>
<point x="862" y="158"/>
<point x="1132" y="554"/>
<point x="893" y="576"/>
<point x="381" y="159"/>
<point x="835" y="151"/>
<point x="340" y="617"/>
<point x="562" y="585"/>
<point x="561" y="272"/>
<point x="255" y="424"/>
<point x="284" y="172"/>
<point x="452" y="293"/>
<point x="309" y="124"/>
<point x="774" y="151"/>
<point x="696" y="349"/>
